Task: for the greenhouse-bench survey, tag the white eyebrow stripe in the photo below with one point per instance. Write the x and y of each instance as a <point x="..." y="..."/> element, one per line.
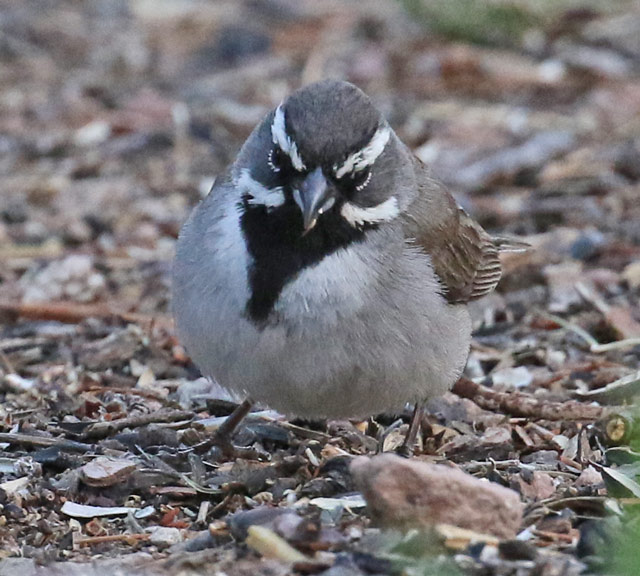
<point x="282" y="139"/>
<point x="367" y="156"/>
<point x="269" y="197"/>
<point x="383" y="212"/>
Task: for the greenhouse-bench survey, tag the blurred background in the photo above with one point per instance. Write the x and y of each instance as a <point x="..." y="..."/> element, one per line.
<point x="116" y="116"/>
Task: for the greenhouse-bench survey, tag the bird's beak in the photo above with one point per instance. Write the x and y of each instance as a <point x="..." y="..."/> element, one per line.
<point x="314" y="197"/>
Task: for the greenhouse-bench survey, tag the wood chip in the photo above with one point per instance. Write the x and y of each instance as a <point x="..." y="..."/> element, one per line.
<point x="268" y="544"/>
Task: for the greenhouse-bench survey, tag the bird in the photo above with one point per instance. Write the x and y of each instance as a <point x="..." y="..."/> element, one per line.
<point x="327" y="273"/>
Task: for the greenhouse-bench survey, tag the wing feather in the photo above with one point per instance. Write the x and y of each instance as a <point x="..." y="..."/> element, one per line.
<point x="464" y="256"/>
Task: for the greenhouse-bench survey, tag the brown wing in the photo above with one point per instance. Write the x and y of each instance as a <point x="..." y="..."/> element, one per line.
<point x="464" y="256"/>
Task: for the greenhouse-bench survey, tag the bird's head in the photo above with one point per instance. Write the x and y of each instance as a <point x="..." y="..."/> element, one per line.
<point x="329" y="152"/>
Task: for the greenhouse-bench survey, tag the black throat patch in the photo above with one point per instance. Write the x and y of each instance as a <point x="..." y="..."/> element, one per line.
<point x="280" y="251"/>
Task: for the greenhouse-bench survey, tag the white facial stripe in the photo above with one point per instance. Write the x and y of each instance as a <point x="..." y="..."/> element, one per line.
<point x="282" y="139"/>
<point x="358" y="216"/>
<point x="269" y="197"/>
<point x="367" y="156"/>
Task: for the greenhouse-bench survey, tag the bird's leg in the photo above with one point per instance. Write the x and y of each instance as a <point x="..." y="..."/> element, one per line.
<point x="221" y="439"/>
<point x="406" y="449"/>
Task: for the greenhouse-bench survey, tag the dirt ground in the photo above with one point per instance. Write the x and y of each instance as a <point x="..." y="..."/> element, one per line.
<point x="116" y="116"/>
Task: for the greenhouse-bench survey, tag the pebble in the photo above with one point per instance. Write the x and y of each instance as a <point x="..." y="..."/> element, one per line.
<point x="105" y="471"/>
<point x="72" y="278"/>
<point x="518" y="377"/>
<point x="164" y="536"/>
<point x="631" y="274"/>
<point x="240" y="522"/>
<point x="406" y="494"/>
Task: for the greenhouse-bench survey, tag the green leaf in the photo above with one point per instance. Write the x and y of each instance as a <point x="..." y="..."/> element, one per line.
<point x="618" y="484"/>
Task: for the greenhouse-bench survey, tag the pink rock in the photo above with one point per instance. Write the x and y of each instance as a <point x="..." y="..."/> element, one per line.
<point x="405" y="494"/>
<point x="104" y="471"/>
<point x="538" y="487"/>
<point x="589" y="477"/>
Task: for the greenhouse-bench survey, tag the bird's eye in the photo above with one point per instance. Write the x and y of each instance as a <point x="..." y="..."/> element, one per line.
<point x="278" y="161"/>
<point x="358" y="181"/>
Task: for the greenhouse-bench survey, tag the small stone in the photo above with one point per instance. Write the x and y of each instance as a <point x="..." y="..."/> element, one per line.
<point x="589" y="477"/>
<point x="535" y="486"/>
<point x="559" y="523"/>
<point x="517" y="550"/>
<point x="555" y="359"/>
<point x="343" y="567"/>
<point x="164" y="536"/>
<point x="201" y="541"/>
<point x="561" y="280"/>
<point x="13" y="511"/>
<point x="73" y="277"/>
<point x="631" y="274"/>
<point x="587" y="245"/>
<point x="598" y="61"/>
<point x="408" y="494"/>
<point x="518" y="377"/>
<point x="106" y="471"/>
<point x="264" y="516"/>
<point x="546" y="457"/>
<point x="92" y="134"/>
<point x="496" y="436"/>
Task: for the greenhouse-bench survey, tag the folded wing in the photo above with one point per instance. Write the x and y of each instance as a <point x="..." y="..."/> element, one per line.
<point x="464" y="256"/>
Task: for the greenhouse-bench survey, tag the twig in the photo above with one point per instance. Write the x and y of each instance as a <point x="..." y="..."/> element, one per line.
<point x="72" y="312"/>
<point x="572" y="327"/>
<point x="592" y="298"/>
<point x="176" y="491"/>
<point x="553" y="536"/>
<point x="170" y="471"/>
<point x="627" y="343"/>
<point x="594" y="345"/>
<point x="103" y="429"/>
<point x="150" y="394"/>
<point x="305" y="432"/>
<point x="67" y="312"/>
<point x="519" y="404"/>
<point x="203" y="512"/>
<point x="43" y="441"/>
<point x="199" y="488"/>
<point x="129" y="538"/>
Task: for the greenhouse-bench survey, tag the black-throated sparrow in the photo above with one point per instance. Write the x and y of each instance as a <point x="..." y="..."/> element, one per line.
<point x="326" y="274"/>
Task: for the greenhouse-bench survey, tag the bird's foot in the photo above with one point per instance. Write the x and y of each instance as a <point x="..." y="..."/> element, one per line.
<point x="221" y="448"/>
<point x="406" y="449"/>
<point x="220" y="444"/>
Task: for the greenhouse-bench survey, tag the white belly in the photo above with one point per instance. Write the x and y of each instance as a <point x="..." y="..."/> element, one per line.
<point x="350" y="340"/>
